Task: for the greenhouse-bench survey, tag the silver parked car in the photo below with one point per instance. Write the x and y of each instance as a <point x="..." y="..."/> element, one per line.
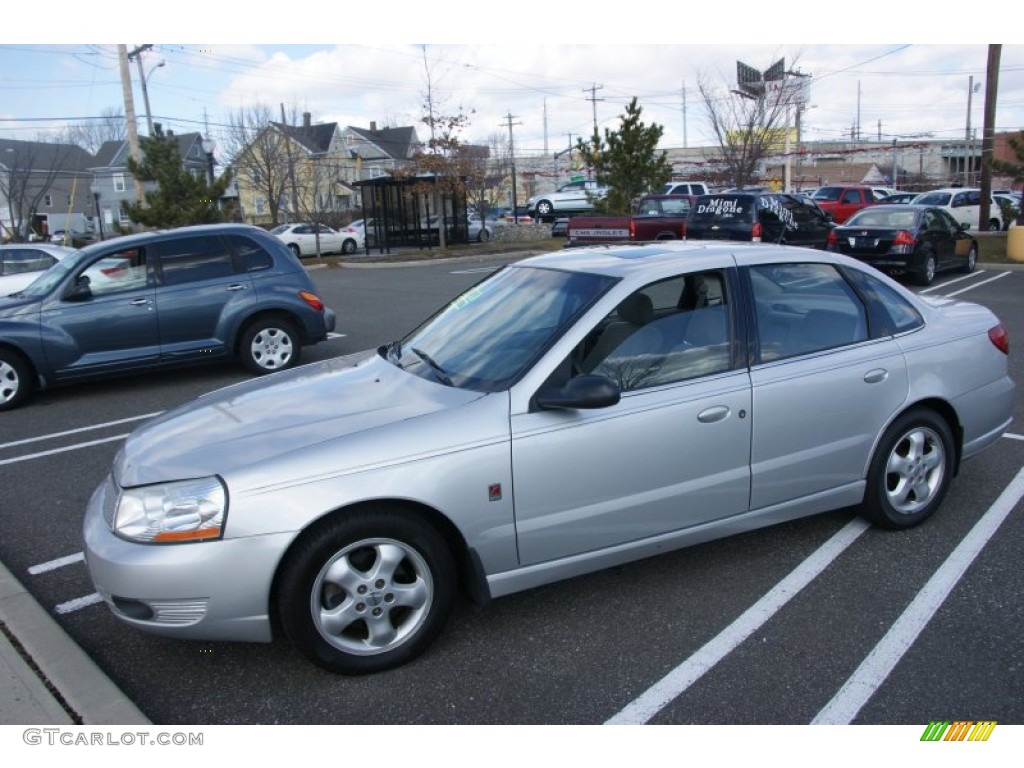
<point x="571" y="412"/>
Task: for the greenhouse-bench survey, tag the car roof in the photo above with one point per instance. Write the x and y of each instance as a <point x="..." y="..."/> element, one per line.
<point x="141" y="238"/>
<point x="650" y="260"/>
<point x="56" y="250"/>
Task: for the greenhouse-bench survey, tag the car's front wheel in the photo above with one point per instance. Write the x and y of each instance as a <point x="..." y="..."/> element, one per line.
<point x="994" y="225"/>
<point x="294" y="248"/>
<point x="270" y="344"/>
<point x="366" y="591"/>
<point x="544" y="208"/>
<point x="15" y="380"/>
<point x="910" y="471"/>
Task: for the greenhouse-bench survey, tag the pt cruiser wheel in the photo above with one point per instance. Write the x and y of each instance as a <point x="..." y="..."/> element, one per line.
<point x="366" y="592"/>
<point x="15" y="380"/>
<point x="270" y="345"/>
<point x="911" y="470"/>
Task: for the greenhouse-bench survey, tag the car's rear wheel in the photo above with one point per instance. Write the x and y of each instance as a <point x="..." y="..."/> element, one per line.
<point x="972" y="259"/>
<point x="994" y="226"/>
<point x="349" y="246"/>
<point x="366" y="591"/>
<point x="270" y="344"/>
<point x="484" y="236"/>
<point x="910" y="471"/>
<point x="15" y="380"/>
<point x="926" y="272"/>
<point x="295" y="249"/>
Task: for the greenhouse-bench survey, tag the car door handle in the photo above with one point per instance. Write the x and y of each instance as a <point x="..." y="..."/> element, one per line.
<point x="713" y="414"/>
<point x="236" y="287"/>
<point x="876" y="376"/>
<point x="140" y="302"/>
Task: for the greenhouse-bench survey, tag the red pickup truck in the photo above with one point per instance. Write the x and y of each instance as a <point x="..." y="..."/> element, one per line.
<point x="841" y="202"/>
<point x="657" y="217"/>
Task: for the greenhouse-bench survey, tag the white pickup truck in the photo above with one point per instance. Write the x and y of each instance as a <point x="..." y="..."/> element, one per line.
<point x="574" y="197"/>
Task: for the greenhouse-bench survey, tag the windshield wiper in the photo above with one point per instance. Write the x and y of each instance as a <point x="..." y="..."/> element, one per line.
<point x="392" y="352"/>
<point x="437" y="369"/>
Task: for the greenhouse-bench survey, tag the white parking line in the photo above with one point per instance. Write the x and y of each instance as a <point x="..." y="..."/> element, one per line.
<point x="670" y="687"/>
<point x="75" y="447"/>
<point x="971" y="276"/>
<point x="104" y="425"/>
<point x="78" y="603"/>
<point x="60" y="562"/>
<point x="976" y="285"/>
<point x="874" y="670"/>
<point x="473" y="271"/>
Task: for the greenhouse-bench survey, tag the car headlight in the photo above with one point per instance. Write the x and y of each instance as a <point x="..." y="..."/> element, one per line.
<point x="169" y="513"/>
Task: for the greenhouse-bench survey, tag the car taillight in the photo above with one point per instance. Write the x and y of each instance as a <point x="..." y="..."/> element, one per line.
<point x="832" y="239"/>
<point x="312" y="299"/>
<point x="632" y="229"/>
<point x="999" y="338"/>
<point x="904" y="238"/>
<point x="682" y="231"/>
<point x="756" y="231"/>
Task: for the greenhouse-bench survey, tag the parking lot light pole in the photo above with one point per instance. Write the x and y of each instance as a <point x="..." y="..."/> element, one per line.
<point x="95" y="189"/>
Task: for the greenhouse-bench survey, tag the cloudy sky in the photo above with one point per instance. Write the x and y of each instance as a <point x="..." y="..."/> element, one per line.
<point x="552" y="72"/>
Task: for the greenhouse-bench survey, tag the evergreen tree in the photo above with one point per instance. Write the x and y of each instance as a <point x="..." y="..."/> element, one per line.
<point x="627" y="161"/>
<point x="180" y="198"/>
<point x="1014" y="171"/>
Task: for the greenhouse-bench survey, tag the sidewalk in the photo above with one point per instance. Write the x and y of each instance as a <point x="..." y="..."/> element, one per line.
<point x="45" y="678"/>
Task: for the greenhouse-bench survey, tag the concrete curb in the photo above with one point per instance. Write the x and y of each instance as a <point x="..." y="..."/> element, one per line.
<point x="44" y="676"/>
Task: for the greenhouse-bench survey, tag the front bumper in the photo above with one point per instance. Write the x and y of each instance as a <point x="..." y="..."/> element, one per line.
<point x="214" y="590"/>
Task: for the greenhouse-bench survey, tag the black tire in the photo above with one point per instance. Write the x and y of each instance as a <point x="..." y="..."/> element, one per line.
<point x="349" y="246"/>
<point x="544" y="208"/>
<point x="994" y="226"/>
<point x="295" y="249"/>
<point x="925" y="273"/>
<point x="270" y="344"/>
<point x="484" y="236"/>
<point x="911" y="470"/>
<point x="398" y="591"/>
<point x="15" y="380"/>
<point x="972" y="260"/>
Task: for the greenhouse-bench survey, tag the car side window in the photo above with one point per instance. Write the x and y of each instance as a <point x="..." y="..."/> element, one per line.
<point x="193" y="259"/>
<point x="803" y="308"/>
<point x="123" y="270"/>
<point x="851" y="196"/>
<point x="899" y="314"/>
<point x="951" y="224"/>
<point x="253" y="257"/>
<point x="667" y="332"/>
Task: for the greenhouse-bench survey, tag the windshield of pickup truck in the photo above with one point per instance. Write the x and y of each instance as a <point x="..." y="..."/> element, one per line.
<point x="827" y="194"/>
<point x="739" y="208"/>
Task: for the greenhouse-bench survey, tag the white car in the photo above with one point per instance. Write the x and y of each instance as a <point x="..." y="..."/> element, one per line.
<point x="302" y="239"/>
<point x="574" y="197"/>
<point x="964" y="204"/>
<point x="21" y="263"/>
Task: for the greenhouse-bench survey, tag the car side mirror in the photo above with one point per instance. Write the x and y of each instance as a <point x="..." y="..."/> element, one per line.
<point x="585" y="391"/>
<point x="964" y="225"/>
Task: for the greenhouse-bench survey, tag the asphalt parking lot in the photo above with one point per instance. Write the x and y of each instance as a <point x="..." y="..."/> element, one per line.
<point x="824" y="620"/>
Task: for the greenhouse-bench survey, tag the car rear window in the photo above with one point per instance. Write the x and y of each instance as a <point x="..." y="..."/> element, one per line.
<point x="738" y="208"/>
<point x="933" y="198"/>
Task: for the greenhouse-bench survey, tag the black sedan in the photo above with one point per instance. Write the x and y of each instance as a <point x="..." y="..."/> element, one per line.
<point x="915" y="239"/>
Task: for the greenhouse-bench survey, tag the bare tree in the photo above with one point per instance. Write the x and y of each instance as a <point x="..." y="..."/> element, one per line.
<point x="259" y="153"/>
<point x="486" y="169"/>
<point x="746" y="128"/>
<point x="92" y="134"/>
<point x="30" y="170"/>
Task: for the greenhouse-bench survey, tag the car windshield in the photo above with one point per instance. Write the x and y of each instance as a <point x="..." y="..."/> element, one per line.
<point x="720" y="208"/>
<point x="827" y="194"/>
<point x="934" y="198"/>
<point x="488" y="337"/>
<point x="47" y="280"/>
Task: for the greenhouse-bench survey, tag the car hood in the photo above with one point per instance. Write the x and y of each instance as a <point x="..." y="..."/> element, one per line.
<point x="235" y="428"/>
<point x="11" y="306"/>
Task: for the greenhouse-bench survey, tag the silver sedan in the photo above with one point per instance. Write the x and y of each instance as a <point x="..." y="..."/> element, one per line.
<point x="571" y="412"/>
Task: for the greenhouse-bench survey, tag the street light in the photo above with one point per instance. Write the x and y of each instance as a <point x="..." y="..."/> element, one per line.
<point x="972" y="88"/>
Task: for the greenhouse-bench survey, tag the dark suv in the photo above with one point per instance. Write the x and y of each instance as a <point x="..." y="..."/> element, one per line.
<point x="759" y="217"/>
<point x="156" y="299"/>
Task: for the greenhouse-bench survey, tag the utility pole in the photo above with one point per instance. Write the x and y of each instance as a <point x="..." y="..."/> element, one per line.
<point x="684" y="115"/>
<point x="136" y="55"/>
<point x="129" y="116"/>
<point x="988" y="139"/>
<point x="512" y="155"/>
<point x="291" y="163"/>
<point x="593" y="100"/>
